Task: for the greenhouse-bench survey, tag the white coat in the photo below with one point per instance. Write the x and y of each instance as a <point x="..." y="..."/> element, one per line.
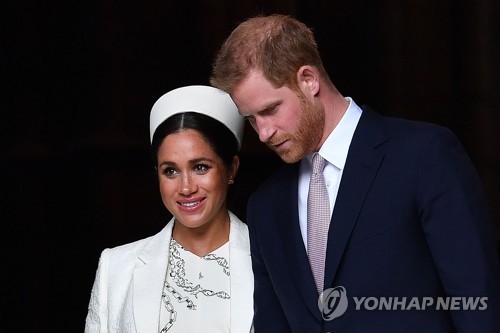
<point x="126" y="296"/>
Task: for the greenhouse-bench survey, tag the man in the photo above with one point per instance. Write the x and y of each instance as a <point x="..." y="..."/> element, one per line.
<point x="407" y="245"/>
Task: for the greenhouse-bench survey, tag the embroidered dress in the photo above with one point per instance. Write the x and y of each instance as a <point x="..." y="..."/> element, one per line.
<point x="196" y="292"/>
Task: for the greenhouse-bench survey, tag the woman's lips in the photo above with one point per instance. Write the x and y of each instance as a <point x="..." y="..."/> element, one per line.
<point x="191" y="205"/>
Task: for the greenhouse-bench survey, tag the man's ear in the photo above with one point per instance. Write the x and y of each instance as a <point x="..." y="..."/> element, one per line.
<point x="308" y="79"/>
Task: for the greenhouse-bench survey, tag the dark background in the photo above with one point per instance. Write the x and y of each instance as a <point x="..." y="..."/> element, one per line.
<point x="80" y="78"/>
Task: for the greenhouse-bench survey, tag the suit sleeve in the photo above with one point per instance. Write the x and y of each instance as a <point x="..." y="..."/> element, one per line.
<point x="268" y="313"/>
<point x="96" y="321"/>
<point x="458" y="229"/>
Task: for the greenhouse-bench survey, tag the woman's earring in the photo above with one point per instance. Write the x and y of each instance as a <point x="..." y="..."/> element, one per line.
<point x="231" y="181"/>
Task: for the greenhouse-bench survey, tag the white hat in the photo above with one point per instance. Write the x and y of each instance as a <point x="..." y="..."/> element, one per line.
<point x="206" y="100"/>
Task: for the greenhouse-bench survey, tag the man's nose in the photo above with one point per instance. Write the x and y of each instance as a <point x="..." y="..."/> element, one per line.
<point x="264" y="129"/>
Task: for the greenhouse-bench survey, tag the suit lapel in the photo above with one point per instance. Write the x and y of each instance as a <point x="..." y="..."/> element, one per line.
<point x="362" y="164"/>
<point x="241" y="312"/>
<point x="291" y="239"/>
<point x="149" y="276"/>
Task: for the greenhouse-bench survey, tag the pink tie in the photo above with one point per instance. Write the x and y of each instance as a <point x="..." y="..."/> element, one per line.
<point x="318" y="220"/>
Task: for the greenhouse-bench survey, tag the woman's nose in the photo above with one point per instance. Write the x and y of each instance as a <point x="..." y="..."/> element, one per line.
<point x="187" y="185"/>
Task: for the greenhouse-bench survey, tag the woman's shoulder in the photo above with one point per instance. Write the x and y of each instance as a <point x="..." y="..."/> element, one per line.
<point x="129" y="251"/>
<point x="236" y="222"/>
<point x="238" y="235"/>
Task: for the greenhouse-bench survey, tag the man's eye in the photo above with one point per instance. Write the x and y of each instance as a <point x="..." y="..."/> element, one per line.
<point x="272" y="110"/>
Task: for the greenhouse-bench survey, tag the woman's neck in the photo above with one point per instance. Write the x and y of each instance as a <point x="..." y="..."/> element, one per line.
<point x="203" y="240"/>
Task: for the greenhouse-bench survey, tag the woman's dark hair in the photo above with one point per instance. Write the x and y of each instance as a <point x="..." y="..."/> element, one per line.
<point x="218" y="136"/>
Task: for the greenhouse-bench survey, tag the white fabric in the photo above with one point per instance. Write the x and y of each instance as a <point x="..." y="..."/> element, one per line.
<point x="334" y="150"/>
<point x="126" y="295"/>
<point x="196" y="294"/>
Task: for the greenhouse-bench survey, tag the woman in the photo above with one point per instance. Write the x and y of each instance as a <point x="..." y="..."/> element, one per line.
<point x="195" y="275"/>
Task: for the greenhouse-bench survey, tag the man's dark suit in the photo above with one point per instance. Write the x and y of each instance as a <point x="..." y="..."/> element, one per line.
<point x="410" y="219"/>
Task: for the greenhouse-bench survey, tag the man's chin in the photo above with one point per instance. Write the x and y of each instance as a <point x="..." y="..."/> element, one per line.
<point x="288" y="156"/>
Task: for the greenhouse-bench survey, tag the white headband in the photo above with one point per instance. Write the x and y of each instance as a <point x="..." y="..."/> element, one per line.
<point x="206" y="100"/>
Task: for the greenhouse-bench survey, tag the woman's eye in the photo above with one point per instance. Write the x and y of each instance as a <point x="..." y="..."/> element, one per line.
<point x="169" y="172"/>
<point x="202" y="168"/>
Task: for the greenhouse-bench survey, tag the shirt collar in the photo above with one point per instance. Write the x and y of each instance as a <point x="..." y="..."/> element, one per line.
<point x="336" y="145"/>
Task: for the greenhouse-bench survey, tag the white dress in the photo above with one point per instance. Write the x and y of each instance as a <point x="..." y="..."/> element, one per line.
<point x="196" y="292"/>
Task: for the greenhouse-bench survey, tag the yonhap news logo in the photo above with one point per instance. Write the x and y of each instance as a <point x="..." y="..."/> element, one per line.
<point x="333" y="303"/>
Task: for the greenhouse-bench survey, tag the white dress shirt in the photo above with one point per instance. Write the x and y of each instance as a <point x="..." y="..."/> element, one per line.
<point x="334" y="150"/>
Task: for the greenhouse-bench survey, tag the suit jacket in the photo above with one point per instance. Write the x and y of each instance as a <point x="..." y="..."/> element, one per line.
<point x="126" y="296"/>
<point x="410" y="220"/>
